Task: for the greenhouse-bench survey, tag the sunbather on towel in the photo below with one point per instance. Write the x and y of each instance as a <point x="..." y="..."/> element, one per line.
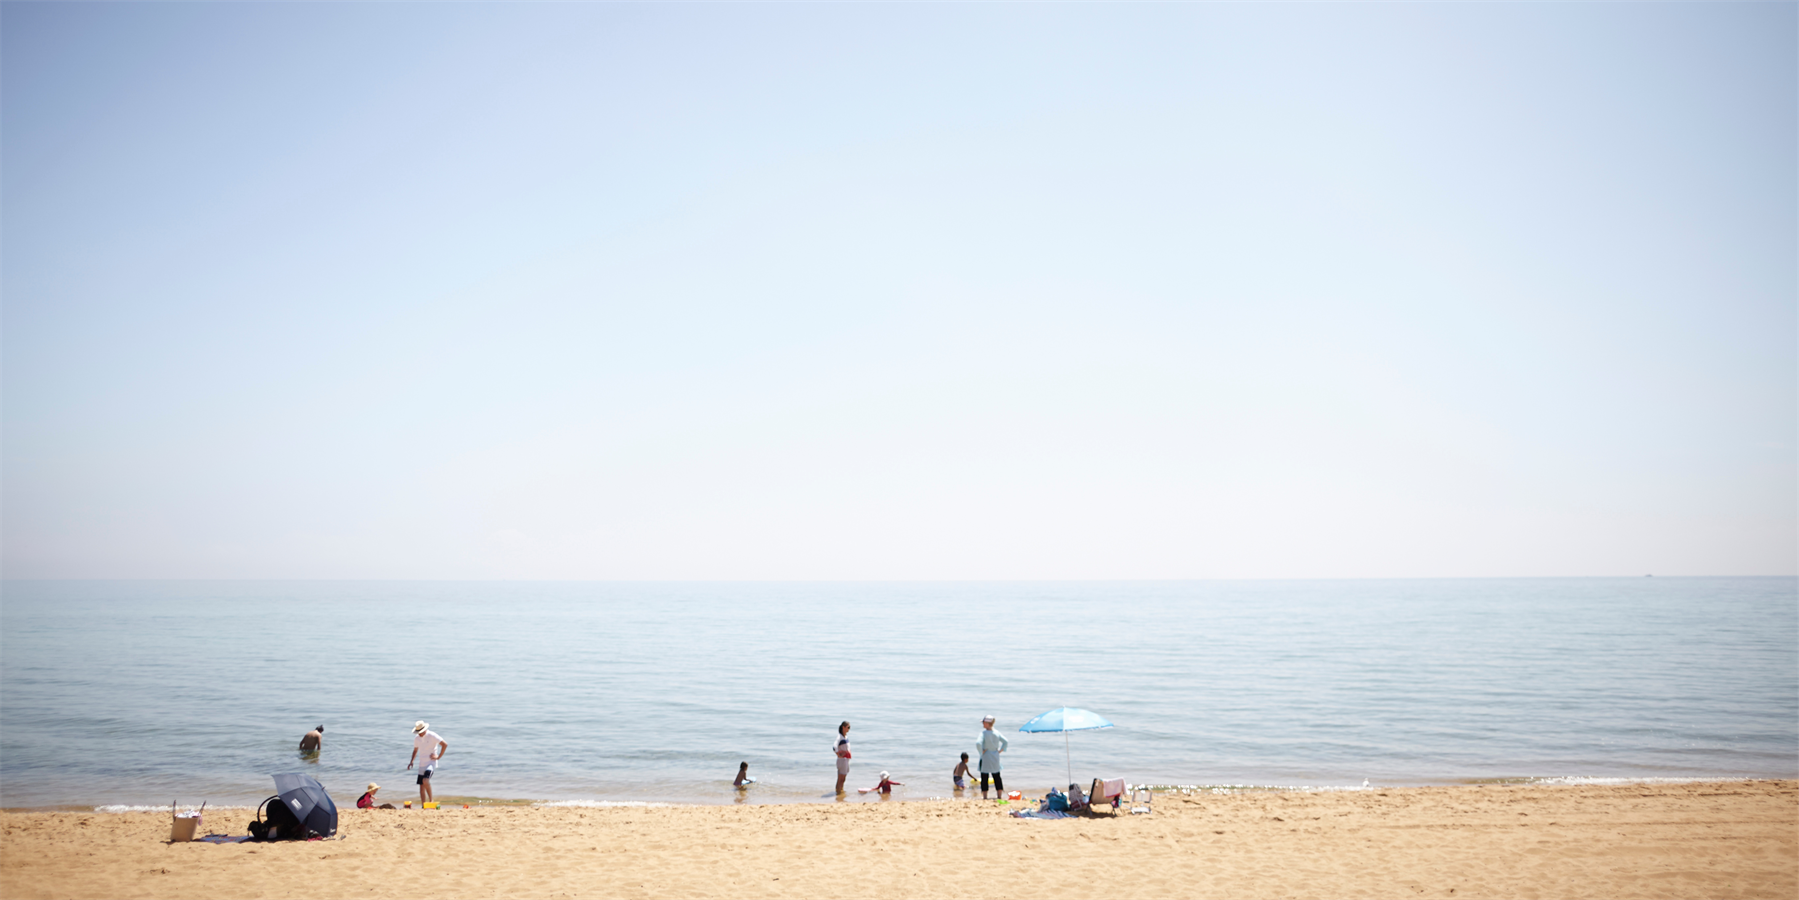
<point x="885" y="787"/>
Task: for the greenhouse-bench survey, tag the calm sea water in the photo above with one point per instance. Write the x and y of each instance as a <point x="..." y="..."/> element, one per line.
<point x="144" y="692"/>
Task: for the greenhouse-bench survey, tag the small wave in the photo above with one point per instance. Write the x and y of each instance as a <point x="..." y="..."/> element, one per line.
<point x="122" y="808"/>
<point x="1589" y="779"/>
<point x="603" y="804"/>
<point x="1247" y="788"/>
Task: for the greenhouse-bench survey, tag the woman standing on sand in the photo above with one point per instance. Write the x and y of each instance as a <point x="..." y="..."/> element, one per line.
<point x="991" y="744"/>
<point x="843" y="754"/>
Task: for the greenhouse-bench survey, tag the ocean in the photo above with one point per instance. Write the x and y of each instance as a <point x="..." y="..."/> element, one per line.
<point x="128" y="693"/>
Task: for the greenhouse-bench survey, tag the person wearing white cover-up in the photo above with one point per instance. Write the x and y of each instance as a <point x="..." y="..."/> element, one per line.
<point x="991" y="744"/>
<point x="433" y="747"/>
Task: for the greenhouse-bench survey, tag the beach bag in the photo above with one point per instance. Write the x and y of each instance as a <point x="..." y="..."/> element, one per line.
<point x="1058" y="801"/>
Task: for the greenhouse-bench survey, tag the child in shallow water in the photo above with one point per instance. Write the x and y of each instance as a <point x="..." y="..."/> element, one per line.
<point x="885" y="787"/>
<point x="743" y="776"/>
<point x="961" y="774"/>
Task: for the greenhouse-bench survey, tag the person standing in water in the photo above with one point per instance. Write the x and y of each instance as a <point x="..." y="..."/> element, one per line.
<point x="313" y="740"/>
<point x="843" y="755"/>
<point x="991" y="744"/>
<point x="433" y="747"/>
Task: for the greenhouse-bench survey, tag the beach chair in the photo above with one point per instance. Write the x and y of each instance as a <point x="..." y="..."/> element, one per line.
<point x="1106" y="793"/>
<point x="1141" y="798"/>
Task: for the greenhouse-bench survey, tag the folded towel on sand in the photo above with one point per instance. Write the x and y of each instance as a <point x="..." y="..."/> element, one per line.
<point x="224" y="838"/>
<point x="1043" y="814"/>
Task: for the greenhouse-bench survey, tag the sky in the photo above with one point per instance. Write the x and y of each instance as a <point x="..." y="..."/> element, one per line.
<point x="898" y="291"/>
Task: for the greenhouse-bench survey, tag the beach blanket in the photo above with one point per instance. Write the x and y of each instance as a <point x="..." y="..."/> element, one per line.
<point x="224" y="838"/>
<point x="1041" y="814"/>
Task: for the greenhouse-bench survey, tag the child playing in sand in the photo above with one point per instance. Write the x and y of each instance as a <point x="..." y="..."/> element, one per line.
<point x="367" y="800"/>
<point x="961" y="773"/>
<point x="885" y="787"/>
<point x="743" y="776"/>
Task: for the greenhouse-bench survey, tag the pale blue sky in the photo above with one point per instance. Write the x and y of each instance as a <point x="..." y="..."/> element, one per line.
<point x="899" y="291"/>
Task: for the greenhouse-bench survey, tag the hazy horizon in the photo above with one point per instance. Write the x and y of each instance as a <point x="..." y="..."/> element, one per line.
<point x="890" y="581"/>
<point x="1019" y="292"/>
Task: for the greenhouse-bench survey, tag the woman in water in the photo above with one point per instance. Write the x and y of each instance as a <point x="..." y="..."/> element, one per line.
<point x="843" y="754"/>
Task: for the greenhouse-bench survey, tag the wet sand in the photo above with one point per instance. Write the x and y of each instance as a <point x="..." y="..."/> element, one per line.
<point x="1712" y="839"/>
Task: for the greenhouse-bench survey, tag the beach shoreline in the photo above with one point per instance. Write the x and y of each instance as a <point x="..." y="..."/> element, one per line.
<point x="915" y="794"/>
<point x="1702" y="838"/>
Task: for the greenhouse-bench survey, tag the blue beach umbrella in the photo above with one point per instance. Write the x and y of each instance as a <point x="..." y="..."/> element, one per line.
<point x="1066" y="719"/>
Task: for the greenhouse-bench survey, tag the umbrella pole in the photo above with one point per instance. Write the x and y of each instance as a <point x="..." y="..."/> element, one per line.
<point x="1066" y="757"/>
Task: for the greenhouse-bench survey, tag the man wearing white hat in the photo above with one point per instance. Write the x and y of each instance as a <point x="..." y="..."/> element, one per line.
<point x="991" y="744"/>
<point x="434" y="747"/>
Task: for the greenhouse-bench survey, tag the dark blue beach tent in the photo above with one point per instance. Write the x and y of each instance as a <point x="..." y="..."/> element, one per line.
<point x="309" y="803"/>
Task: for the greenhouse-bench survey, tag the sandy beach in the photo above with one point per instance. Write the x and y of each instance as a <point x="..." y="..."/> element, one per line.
<point x="1728" y="839"/>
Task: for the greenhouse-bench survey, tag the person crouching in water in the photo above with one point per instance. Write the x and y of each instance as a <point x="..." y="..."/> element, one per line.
<point x="367" y="800"/>
<point x="961" y="774"/>
<point x="885" y="787"/>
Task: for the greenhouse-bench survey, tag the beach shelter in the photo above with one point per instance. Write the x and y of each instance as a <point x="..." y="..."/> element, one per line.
<point x="309" y="803"/>
<point x="1066" y="719"/>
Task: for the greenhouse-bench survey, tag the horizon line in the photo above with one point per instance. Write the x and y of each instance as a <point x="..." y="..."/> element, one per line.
<point x="892" y="580"/>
